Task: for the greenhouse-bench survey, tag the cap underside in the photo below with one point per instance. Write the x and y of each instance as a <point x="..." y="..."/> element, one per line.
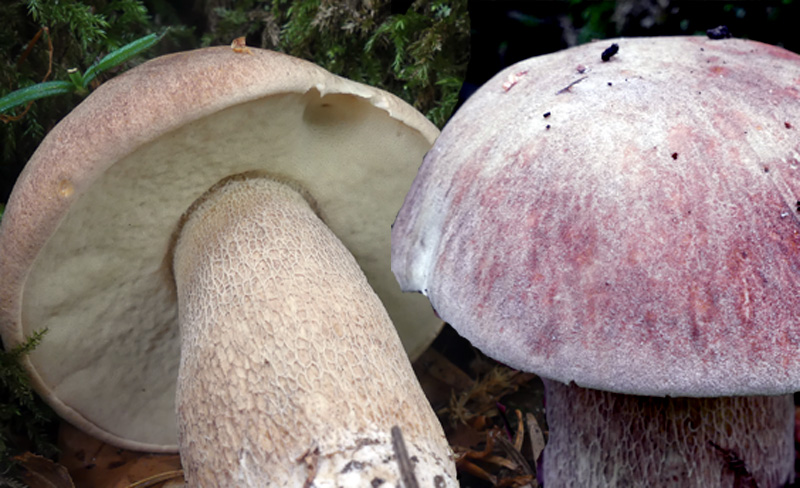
<point x="101" y="284"/>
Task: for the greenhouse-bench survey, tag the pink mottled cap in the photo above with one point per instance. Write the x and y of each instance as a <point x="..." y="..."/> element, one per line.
<point x="631" y="225"/>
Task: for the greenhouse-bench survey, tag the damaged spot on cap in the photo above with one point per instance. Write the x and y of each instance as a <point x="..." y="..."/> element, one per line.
<point x="65" y="188"/>
<point x="513" y="79"/>
<point x="567" y="88"/>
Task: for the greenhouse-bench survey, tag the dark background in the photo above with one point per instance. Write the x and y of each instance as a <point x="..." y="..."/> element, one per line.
<point x="504" y="32"/>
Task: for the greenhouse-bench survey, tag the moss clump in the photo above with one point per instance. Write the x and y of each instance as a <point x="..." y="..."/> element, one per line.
<point x="419" y="54"/>
<point x="26" y="422"/>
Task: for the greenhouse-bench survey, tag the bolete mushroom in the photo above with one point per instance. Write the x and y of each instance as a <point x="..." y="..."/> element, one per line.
<point x="251" y="177"/>
<point x="630" y="230"/>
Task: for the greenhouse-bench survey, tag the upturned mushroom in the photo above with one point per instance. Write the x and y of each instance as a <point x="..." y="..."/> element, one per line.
<point x="629" y="229"/>
<point x="226" y="193"/>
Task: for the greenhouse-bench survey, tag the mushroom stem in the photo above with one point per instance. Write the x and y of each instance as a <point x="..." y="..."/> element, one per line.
<point x="599" y="438"/>
<point x="291" y="371"/>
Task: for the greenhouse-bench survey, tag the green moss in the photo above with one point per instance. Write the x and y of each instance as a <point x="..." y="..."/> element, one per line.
<point x="420" y="55"/>
<point x="26" y="422"/>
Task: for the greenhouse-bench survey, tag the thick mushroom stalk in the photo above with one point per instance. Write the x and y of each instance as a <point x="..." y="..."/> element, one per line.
<point x="291" y="371"/>
<point x="724" y="441"/>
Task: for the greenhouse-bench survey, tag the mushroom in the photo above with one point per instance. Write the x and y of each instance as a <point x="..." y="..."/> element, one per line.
<point x="250" y="177"/>
<point x="639" y="248"/>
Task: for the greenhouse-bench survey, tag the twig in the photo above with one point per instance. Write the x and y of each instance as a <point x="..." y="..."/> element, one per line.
<point x="742" y="477"/>
<point x="406" y="468"/>
<point x="566" y="88"/>
<point x="511" y="452"/>
<point x="156" y="479"/>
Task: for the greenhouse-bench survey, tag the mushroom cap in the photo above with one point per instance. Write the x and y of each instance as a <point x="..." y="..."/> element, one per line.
<point x="85" y="239"/>
<point x="630" y="225"/>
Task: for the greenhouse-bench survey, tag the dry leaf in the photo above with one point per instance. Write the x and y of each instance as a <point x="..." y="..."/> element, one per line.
<point x="535" y="435"/>
<point x="239" y="45"/>
<point x="95" y="464"/>
<point x="41" y="472"/>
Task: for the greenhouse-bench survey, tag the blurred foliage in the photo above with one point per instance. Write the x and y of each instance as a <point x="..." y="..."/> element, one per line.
<point x="767" y="20"/>
<point x="26" y="423"/>
<point x="504" y="32"/>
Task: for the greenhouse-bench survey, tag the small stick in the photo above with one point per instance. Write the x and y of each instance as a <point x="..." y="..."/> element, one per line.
<point x="311" y="459"/>
<point x="742" y="477"/>
<point x="566" y="88"/>
<point x="509" y="450"/>
<point x="406" y="468"/>
<point x="156" y="479"/>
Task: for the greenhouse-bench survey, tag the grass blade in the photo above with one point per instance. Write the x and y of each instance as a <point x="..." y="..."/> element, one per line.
<point x="119" y="56"/>
<point x="35" y="92"/>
